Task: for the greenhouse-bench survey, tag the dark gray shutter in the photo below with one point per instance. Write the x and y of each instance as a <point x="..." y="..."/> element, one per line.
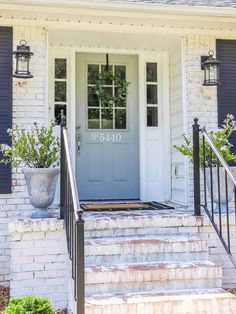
<point x="5" y="101"/>
<point x="226" y="53"/>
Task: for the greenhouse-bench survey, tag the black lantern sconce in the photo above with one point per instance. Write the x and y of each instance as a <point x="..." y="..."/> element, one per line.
<point x="210" y="65"/>
<point x="22" y="55"/>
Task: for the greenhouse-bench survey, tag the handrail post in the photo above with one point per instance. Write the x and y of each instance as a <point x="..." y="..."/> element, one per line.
<point x="62" y="169"/>
<point x="196" y="168"/>
<point x="80" y="261"/>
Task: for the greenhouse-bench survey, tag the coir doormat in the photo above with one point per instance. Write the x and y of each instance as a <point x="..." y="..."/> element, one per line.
<point x="125" y="206"/>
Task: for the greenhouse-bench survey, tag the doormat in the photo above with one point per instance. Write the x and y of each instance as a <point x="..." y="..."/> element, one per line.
<point x="125" y="206"/>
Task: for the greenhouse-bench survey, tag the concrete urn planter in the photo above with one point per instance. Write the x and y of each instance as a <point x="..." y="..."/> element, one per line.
<point x="222" y="186"/>
<point x="41" y="185"/>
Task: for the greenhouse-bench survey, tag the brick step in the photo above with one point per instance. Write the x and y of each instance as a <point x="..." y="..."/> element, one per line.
<point x="152" y="276"/>
<point x="177" y="247"/>
<point x="137" y="223"/>
<point x="211" y="301"/>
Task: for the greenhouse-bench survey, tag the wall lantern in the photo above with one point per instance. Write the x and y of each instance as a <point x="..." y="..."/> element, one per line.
<point x="22" y="55"/>
<point x="210" y="65"/>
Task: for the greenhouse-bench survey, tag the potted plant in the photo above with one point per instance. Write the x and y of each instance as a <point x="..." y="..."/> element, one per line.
<point x="221" y="140"/>
<point x="37" y="151"/>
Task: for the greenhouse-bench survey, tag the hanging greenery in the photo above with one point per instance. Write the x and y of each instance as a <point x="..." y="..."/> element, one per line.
<point x="107" y="77"/>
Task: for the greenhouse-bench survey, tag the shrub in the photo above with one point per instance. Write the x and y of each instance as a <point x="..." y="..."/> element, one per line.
<point x="221" y="140"/>
<point x="30" y="305"/>
<point x="37" y="147"/>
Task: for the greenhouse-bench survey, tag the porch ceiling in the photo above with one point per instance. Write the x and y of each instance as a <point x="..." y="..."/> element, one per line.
<point x="110" y="40"/>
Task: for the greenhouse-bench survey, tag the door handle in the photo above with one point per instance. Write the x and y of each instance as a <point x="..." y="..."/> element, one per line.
<point x="78" y="143"/>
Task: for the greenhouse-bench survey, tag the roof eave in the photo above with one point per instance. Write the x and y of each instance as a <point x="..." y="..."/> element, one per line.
<point x="134" y="6"/>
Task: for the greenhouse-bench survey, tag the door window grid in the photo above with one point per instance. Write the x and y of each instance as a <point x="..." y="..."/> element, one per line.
<point x="101" y="116"/>
<point x="152" y="94"/>
<point x="60" y="88"/>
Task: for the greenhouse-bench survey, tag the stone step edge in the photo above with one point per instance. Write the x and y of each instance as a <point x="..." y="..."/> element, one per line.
<point x="152" y="271"/>
<point x="153" y="297"/>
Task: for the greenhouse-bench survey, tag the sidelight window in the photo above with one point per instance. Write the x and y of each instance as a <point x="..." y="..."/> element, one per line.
<point x="60" y="88"/>
<point x="152" y="94"/>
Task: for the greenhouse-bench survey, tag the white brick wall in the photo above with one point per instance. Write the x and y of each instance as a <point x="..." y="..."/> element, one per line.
<point x="39" y="260"/>
<point x="29" y="105"/>
<point x="216" y="250"/>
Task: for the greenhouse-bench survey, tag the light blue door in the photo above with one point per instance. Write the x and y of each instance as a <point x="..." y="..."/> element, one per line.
<point x="107" y="156"/>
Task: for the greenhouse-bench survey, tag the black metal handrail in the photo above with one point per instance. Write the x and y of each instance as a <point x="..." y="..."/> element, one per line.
<point x="71" y="212"/>
<point x="213" y="188"/>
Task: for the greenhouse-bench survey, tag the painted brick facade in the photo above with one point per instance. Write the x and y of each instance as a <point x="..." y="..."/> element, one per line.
<point x="39" y="260"/>
<point x="29" y="105"/>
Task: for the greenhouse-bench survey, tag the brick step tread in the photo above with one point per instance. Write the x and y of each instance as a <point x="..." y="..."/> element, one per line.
<point x="159" y="276"/>
<point x="160" y="271"/>
<point x="140" y="218"/>
<point x="153" y="296"/>
<point x="162" y="238"/>
<point x="208" y="301"/>
<point x="145" y="244"/>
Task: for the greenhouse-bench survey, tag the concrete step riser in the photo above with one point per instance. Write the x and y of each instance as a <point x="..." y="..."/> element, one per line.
<point x="152" y="286"/>
<point x="142" y="258"/>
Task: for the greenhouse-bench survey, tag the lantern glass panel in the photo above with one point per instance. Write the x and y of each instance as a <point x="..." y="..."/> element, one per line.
<point x="22" y="64"/>
<point x="213" y="73"/>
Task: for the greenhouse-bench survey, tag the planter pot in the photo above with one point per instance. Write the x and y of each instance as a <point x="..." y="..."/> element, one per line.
<point x="222" y="186"/>
<point x="41" y="186"/>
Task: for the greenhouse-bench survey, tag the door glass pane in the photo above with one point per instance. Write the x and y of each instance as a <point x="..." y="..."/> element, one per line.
<point x="59" y="110"/>
<point x="120" y="72"/>
<point x="92" y="97"/>
<point x="121" y="102"/>
<point x="60" y="91"/>
<point x="93" y="119"/>
<point x="152" y="116"/>
<point x="60" y="68"/>
<point x="107" y="118"/>
<point x="120" y="118"/>
<point x="93" y="73"/>
<point x="151" y="71"/>
<point x="108" y="81"/>
<point x="151" y="94"/>
<point x="107" y="101"/>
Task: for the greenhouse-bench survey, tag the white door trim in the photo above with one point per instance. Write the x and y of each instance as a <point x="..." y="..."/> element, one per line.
<point x="162" y="60"/>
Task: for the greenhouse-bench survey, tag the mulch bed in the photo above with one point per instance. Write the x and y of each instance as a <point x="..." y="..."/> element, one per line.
<point x="4" y="299"/>
<point x="231" y="290"/>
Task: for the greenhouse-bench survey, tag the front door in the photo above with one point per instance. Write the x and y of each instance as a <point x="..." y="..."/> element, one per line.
<point x="107" y="157"/>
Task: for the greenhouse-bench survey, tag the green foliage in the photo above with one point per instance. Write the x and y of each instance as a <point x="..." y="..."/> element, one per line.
<point x="219" y="138"/>
<point x="37" y="147"/>
<point x="121" y="93"/>
<point x="30" y="305"/>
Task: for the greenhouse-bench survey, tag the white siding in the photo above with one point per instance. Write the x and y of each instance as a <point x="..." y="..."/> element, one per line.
<point x="178" y="184"/>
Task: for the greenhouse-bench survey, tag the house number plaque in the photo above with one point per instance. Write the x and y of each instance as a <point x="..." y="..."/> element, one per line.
<point x="103" y="137"/>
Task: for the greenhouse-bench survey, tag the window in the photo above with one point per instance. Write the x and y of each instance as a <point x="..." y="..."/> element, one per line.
<point x="101" y="115"/>
<point x="60" y="89"/>
<point x="152" y="94"/>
